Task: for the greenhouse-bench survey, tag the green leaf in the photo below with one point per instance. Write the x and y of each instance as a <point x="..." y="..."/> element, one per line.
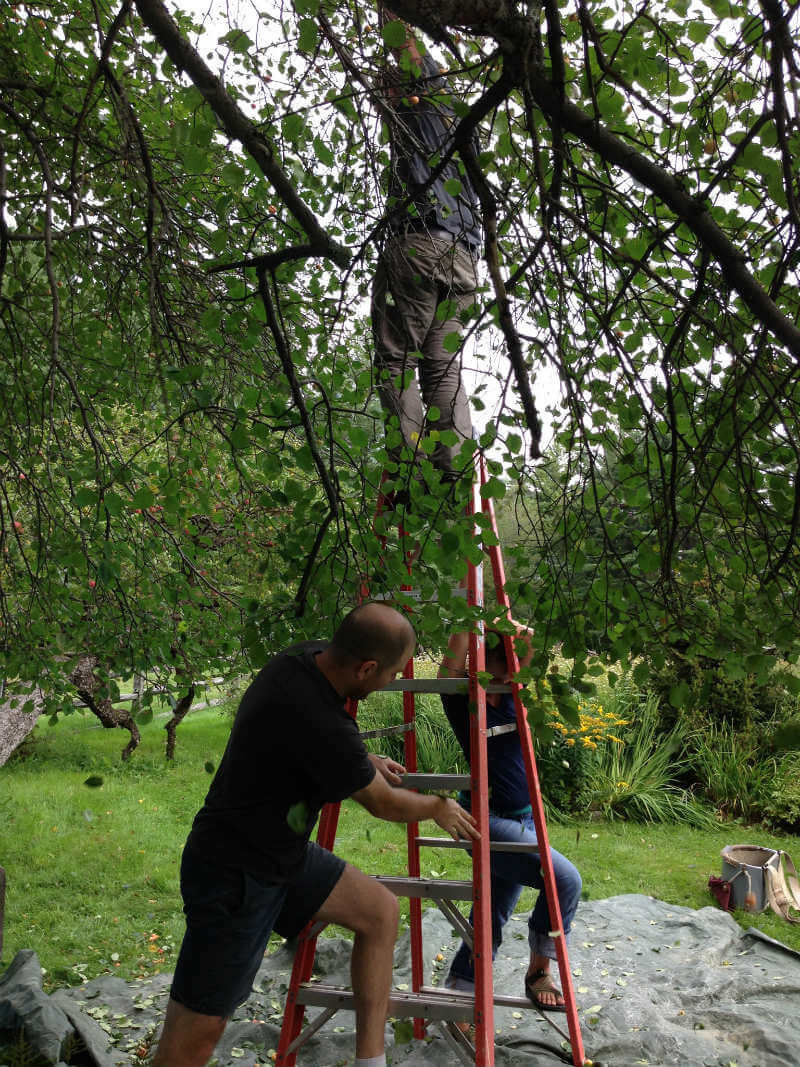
<point x="394" y="34"/>
<point x="196" y="159"/>
<point x="358" y="436"/>
<point x="494" y="489"/>
<point x="85" y="498"/>
<point x="297" y="817"/>
<point x="403" y="1031"/>
<point x="450" y="541"/>
<point x="323" y="153"/>
<point x="233" y="175"/>
<point x="679" y="694"/>
<point x="292" y="126"/>
<point x="451" y="341"/>
<point x="307" y="40"/>
<point x="143" y="497"/>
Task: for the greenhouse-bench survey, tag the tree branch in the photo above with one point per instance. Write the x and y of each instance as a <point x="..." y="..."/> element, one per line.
<point x="235" y="123"/>
<point x="297" y="394"/>
<point x="689" y="209"/>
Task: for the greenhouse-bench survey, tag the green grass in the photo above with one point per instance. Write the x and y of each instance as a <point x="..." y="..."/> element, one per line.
<point x="93" y="872"/>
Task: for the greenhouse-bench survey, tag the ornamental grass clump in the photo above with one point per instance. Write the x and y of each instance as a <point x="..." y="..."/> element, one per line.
<point x="634" y="776"/>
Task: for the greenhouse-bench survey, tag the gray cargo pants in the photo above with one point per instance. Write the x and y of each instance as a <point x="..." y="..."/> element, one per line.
<point x="421" y="285"/>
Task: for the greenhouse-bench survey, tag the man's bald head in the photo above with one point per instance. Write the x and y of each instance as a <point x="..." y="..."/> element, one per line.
<point x="373" y="631"/>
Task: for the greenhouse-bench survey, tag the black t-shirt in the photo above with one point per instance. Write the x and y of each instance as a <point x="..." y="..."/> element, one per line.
<point x="508" y="783"/>
<point x="292" y="748"/>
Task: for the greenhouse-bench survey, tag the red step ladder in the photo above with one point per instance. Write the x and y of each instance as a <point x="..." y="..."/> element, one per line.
<point x="423" y="1003"/>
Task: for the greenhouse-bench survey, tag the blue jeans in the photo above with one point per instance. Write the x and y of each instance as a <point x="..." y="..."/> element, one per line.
<point x="510" y="872"/>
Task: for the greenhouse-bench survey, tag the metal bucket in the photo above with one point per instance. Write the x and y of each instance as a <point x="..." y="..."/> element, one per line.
<point x="743" y="866"/>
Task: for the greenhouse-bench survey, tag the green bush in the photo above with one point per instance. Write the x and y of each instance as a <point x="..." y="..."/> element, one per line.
<point x="563" y="776"/>
<point x="698" y="692"/>
<point x="781" y="804"/>
<point x="731" y="770"/>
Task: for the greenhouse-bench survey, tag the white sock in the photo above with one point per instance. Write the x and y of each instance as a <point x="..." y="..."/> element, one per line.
<point x="372" y="1061"/>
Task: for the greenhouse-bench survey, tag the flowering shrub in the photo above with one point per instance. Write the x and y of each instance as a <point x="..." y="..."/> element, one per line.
<point x="595" y="727"/>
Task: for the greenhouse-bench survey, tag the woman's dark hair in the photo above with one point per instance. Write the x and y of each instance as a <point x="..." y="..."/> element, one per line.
<point x="496" y="647"/>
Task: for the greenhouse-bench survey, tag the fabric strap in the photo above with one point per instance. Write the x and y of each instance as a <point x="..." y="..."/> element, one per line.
<point x="783" y="887"/>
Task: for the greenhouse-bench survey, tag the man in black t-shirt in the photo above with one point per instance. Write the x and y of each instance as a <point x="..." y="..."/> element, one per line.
<point x="249" y="867"/>
<point x="427" y="271"/>
<point x="510" y="820"/>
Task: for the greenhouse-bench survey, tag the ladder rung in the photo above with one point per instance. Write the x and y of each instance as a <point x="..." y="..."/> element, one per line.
<point x="401" y="728"/>
<point x="495" y="846"/>
<point x="416" y="594"/>
<point x="429" y="1003"/>
<point x="429" y="888"/>
<point x="451" y="686"/>
<point x="436" y="781"/>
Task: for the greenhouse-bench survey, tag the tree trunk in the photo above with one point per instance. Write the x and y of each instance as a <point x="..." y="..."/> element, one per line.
<point x="179" y="712"/>
<point x="91" y="690"/>
<point x="16" y="724"/>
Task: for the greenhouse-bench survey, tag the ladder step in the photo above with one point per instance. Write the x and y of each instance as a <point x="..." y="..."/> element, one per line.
<point x="494" y="846"/>
<point x="451" y="686"/>
<point x="430" y="1003"/>
<point x="428" y="888"/>
<point x="416" y="594"/>
<point x="459" y="996"/>
<point x="436" y="781"/>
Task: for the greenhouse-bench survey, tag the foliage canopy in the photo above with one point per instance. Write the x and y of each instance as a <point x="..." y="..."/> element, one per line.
<point x="190" y="446"/>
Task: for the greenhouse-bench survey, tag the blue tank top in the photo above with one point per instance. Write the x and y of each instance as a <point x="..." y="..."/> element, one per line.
<point x="508" y="783"/>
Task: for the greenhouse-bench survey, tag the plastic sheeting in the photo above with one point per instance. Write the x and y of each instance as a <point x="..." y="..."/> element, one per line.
<point x="656" y="985"/>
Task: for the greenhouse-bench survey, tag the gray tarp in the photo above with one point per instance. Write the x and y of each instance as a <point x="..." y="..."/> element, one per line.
<point x="656" y="985"/>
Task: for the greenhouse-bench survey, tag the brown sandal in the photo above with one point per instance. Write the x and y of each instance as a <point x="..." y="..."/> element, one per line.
<point x="540" y="982"/>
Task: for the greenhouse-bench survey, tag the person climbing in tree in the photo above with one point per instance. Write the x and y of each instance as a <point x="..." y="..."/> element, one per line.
<point x="510" y="820"/>
<point x="426" y="276"/>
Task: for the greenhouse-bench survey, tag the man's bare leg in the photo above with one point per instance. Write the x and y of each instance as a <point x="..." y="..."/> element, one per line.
<point x="188" y="1038"/>
<point x="362" y="905"/>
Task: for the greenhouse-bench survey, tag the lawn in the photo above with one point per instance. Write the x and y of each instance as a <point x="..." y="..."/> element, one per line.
<point x="93" y="870"/>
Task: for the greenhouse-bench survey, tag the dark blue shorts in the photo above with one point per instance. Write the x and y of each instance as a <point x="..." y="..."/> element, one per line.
<point x="229" y="918"/>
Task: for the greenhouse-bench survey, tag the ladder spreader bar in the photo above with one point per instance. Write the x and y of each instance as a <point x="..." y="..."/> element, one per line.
<point x="387" y="731"/>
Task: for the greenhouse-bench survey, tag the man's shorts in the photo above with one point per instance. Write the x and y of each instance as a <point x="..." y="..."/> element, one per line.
<point x="229" y="918"/>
